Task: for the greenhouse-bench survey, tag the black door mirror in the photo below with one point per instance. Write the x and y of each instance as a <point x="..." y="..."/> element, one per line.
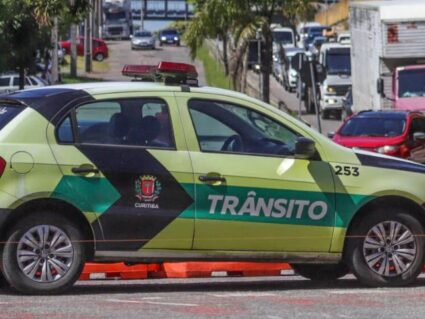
<point x="304" y="148"/>
<point x="331" y="135"/>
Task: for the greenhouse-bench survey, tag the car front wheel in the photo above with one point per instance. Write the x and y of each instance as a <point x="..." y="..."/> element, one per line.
<point x="99" y="57"/>
<point x="386" y="248"/>
<point x="44" y="254"/>
<point x="321" y="272"/>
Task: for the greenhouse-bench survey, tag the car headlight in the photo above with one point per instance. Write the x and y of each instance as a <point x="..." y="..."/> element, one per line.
<point x="388" y="149"/>
<point x="330" y="89"/>
<point x="176" y="39"/>
<point x="163" y="38"/>
<point x="293" y="73"/>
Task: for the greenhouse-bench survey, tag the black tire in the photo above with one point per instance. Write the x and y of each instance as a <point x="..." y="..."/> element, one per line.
<point x="99" y="57"/>
<point x="10" y="266"/>
<point x="354" y="254"/>
<point x="321" y="272"/>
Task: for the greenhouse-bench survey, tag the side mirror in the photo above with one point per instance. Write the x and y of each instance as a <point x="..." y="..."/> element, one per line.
<point x="419" y="136"/>
<point x="304" y="148"/>
<point x="297" y="37"/>
<point x="380" y="87"/>
<point x="331" y="135"/>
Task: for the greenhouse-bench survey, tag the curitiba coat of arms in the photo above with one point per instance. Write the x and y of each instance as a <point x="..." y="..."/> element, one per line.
<point x="147" y="188"/>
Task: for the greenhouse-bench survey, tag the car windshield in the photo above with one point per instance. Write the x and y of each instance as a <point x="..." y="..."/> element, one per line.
<point x="411" y="83"/>
<point x="283" y="37"/>
<point x="169" y="32"/>
<point x="338" y="62"/>
<point x="373" y="127"/>
<point x="143" y="34"/>
<point x="314" y="32"/>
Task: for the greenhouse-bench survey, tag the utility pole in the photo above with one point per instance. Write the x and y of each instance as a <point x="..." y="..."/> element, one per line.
<point x="54" y="57"/>
<point x="88" y="40"/>
<point x="312" y="65"/>
<point x="142" y="15"/>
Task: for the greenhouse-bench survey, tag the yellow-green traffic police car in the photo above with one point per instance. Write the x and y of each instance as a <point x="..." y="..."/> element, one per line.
<point x="151" y="172"/>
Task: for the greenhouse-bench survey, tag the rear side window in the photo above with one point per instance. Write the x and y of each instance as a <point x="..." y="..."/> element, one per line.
<point x="8" y="112"/>
<point x="137" y="122"/>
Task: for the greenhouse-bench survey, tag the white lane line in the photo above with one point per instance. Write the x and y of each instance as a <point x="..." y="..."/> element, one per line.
<point x="153" y="302"/>
<point x="273" y="317"/>
<point x="172" y="304"/>
<point x="353" y="292"/>
<point x="248" y="294"/>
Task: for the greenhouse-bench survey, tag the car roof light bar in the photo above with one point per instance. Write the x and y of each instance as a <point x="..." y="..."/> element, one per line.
<point x="171" y="73"/>
<point x="140" y="72"/>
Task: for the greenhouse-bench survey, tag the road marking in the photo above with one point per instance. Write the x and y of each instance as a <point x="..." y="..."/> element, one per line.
<point x="359" y="291"/>
<point x="154" y="302"/>
<point x="248" y="294"/>
<point x="273" y="317"/>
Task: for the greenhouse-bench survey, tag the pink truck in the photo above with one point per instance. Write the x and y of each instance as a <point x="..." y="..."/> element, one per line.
<point x="388" y="54"/>
<point x="409" y="87"/>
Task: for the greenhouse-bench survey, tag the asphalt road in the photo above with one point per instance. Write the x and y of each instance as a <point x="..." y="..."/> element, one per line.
<point x="285" y="297"/>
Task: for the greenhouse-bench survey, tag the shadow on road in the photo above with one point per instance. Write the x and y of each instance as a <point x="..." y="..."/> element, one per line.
<point x="212" y="285"/>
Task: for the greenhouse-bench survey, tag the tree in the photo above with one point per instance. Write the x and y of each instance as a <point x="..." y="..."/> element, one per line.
<point x="25" y="25"/>
<point x="213" y="19"/>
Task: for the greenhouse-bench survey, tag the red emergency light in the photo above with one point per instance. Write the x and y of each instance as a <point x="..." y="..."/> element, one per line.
<point x="171" y="73"/>
<point x="178" y="68"/>
<point x="141" y="72"/>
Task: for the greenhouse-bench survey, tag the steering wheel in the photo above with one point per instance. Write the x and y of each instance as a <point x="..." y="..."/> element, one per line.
<point x="233" y="143"/>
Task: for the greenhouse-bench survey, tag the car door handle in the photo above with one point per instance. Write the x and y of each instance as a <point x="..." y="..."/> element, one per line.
<point x="211" y="179"/>
<point x="84" y="170"/>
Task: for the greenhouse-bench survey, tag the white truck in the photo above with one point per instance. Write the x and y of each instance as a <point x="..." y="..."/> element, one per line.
<point x="388" y="54"/>
<point x="335" y="58"/>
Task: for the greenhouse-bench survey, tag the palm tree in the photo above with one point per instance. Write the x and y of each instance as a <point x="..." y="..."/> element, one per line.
<point x="213" y="19"/>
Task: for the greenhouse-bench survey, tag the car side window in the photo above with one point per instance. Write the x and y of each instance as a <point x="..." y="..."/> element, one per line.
<point x="136" y="122"/>
<point x="5" y="81"/>
<point x="226" y="127"/>
<point x="16" y="81"/>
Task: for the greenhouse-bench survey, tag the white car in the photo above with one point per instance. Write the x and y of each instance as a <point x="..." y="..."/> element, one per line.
<point x="9" y="82"/>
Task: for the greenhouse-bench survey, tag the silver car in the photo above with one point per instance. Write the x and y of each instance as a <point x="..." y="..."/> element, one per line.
<point x="143" y="40"/>
<point x="9" y="82"/>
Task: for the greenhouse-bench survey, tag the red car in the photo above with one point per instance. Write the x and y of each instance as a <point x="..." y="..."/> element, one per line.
<point x="100" y="49"/>
<point x="394" y="133"/>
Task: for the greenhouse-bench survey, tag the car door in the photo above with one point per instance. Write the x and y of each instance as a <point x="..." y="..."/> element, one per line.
<point x="125" y="161"/>
<point x="251" y="193"/>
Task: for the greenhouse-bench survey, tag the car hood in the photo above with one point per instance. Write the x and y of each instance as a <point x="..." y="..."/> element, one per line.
<point x="366" y="142"/>
<point x="383" y="161"/>
<point x="335" y="79"/>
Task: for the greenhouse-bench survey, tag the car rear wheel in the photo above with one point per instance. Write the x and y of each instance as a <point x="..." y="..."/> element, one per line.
<point x="386" y="248"/>
<point x="99" y="57"/>
<point x="320" y="272"/>
<point x="43" y="254"/>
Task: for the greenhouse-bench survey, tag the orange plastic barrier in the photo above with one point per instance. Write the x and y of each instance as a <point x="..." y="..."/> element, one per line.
<point x="206" y="269"/>
<point x="121" y="271"/>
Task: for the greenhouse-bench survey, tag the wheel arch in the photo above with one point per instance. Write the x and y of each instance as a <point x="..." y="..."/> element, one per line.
<point x="389" y="201"/>
<point x="69" y="211"/>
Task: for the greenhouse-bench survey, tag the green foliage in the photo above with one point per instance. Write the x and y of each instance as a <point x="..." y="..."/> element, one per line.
<point x="25" y="28"/>
<point x="214" y="71"/>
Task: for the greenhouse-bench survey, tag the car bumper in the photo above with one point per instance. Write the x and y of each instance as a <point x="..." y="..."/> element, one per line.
<point x="170" y="41"/>
<point x="142" y="45"/>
